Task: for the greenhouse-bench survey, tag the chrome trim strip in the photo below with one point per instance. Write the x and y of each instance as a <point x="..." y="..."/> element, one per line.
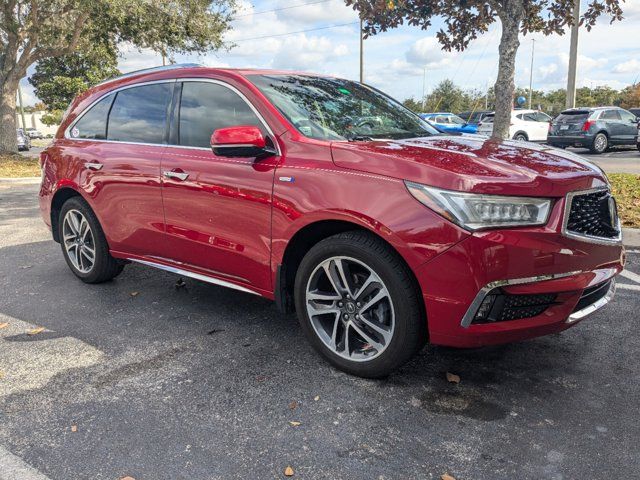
<point x="588" y="238"/>
<point x="172" y="80"/>
<point x="594" y="307"/>
<point x="197" y="276"/>
<point x="484" y="291"/>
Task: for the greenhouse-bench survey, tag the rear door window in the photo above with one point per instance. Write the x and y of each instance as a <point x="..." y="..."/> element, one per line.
<point x="205" y="107"/>
<point x="93" y="124"/>
<point x="610" y="115"/>
<point x="139" y="114"/>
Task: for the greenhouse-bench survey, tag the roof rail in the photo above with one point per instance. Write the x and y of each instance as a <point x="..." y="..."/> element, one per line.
<point x="161" y="68"/>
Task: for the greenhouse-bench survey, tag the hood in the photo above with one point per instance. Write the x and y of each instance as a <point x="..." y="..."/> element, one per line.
<point x="473" y="163"/>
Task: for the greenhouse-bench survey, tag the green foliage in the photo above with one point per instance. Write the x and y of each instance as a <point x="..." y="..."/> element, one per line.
<point x="52" y="117"/>
<point x="57" y="80"/>
<point x="448" y="97"/>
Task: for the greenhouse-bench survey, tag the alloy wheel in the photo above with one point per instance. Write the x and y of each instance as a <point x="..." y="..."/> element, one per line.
<point x="600" y="143"/>
<point x="78" y="241"/>
<point x="350" y="308"/>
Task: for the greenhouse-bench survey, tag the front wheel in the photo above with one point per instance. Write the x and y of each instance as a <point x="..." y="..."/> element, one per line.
<point x="84" y="245"/>
<point x="600" y="143"/>
<point x="359" y="305"/>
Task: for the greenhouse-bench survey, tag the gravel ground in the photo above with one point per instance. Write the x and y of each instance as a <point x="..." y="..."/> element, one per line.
<point x="135" y="377"/>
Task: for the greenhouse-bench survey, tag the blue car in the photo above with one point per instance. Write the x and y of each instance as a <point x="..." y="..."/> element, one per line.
<point x="448" y="122"/>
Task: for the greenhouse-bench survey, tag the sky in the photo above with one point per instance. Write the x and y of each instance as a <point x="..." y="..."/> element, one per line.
<point x="293" y="34"/>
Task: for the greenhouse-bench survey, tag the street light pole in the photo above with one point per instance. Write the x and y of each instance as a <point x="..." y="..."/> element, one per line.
<point x="24" y="123"/>
<point x="361" y="53"/>
<point x="533" y="46"/>
<point x="424" y="86"/>
<point x="573" y="57"/>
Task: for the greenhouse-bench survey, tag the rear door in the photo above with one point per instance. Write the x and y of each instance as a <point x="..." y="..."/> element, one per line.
<point x="613" y="123"/>
<point x="629" y="124"/>
<point x="217" y="209"/>
<point x="117" y="146"/>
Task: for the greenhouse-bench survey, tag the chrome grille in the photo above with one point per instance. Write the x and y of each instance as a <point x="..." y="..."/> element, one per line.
<point x="593" y="214"/>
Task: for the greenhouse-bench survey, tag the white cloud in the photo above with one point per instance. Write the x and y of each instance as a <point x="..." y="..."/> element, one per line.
<point x="428" y="52"/>
<point x="334" y="11"/>
<point x="630" y="66"/>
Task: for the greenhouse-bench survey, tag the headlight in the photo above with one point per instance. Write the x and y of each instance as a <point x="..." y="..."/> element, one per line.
<point x="476" y="211"/>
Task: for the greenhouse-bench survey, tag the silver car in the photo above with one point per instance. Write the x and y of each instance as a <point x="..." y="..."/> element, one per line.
<point x="24" y="142"/>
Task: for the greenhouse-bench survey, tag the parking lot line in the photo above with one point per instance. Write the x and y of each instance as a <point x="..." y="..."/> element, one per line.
<point x="628" y="286"/>
<point x="13" y="467"/>
<point x="631" y="276"/>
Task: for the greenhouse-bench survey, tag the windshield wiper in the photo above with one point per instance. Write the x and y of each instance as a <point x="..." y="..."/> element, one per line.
<point x="359" y="138"/>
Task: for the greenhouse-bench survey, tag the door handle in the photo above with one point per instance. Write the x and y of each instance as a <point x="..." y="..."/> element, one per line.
<point x="182" y="176"/>
<point x="94" y="165"/>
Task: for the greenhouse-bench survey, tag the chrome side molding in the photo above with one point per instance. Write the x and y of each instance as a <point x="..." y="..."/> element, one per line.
<point x="197" y="276"/>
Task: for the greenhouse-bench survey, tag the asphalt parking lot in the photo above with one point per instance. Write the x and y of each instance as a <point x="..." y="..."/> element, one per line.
<point x="137" y="378"/>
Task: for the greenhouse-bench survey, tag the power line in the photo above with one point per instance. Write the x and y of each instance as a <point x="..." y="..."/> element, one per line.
<point x="282" y="8"/>
<point x="294" y="33"/>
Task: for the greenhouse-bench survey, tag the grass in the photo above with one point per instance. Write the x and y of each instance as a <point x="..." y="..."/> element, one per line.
<point x="626" y="186"/>
<point x="626" y="189"/>
<point x="17" y="166"/>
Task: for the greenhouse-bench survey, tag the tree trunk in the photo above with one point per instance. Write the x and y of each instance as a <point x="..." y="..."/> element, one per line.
<point x="505" y="85"/>
<point x="8" y="137"/>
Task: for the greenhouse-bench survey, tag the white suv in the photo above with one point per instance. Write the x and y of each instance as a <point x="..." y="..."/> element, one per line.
<point x="526" y="125"/>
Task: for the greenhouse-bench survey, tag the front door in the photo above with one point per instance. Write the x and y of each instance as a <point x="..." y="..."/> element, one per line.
<point x="217" y="209"/>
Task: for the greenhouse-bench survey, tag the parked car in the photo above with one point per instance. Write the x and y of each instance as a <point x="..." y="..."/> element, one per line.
<point x="23" y="140"/>
<point x="381" y="239"/>
<point x="33" y="133"/>
<point x="634" y="111"/>
<point x="526" y="125"/>
<point x="474" y="117"/>
<point x="448" y="122"/>
<point x="594" y="128"/>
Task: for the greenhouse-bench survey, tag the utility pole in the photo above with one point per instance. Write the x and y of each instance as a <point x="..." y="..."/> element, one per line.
<point x="424" y="91"/>
<point x="533" y="47"/>
<point x="573" y="57"/>
<point x="361" y="53"/>
<point x="24" y="123"/>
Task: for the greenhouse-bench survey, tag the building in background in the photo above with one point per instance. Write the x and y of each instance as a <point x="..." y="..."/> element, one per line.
<point x="34" y="120"/>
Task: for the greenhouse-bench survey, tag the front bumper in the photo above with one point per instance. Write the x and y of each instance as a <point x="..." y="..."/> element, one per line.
<point x="517" y="262"/>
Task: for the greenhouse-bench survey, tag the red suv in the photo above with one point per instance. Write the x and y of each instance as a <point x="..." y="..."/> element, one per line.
<point x="335" y="201"/>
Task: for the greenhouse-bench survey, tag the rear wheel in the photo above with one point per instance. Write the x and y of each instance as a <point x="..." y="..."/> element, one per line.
<point x="521" y="137"/>
<point x="358" y="304"/>
<point x="84" y="245"/>
<point x="600" y="143"/>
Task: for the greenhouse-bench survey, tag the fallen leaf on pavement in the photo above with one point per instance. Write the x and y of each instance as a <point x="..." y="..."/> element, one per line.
<point x="74" y="428"/>
<point x="35" y="331"/>
<point x="453" y="378"/>
<point x="293" y="405"/>
<point x="295" y="424"/>
<point x="180" y="284"/>
<point x="134" y="294"/>
<point x="316" y="398"/>
<point x="4" y="325"/>
<point x="446" y="476"/>
<point x="1" y="374"/>
<point x="289" y="472"/>
<point x="131" y="478"/>
<point x="26" y="266"/>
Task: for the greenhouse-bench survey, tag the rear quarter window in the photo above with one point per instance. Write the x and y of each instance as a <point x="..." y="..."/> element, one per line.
<point x="93" y="123"/>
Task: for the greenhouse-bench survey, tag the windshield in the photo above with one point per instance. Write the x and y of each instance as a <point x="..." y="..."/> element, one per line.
<point x="337" y="109"/>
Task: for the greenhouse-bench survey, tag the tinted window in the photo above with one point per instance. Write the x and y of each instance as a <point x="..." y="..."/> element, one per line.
<point x="139" y="114"/>
<point x="93" y="124"/>
<point x="578" y="116"/>
<point x="610" y="115"/>
<point x="627" y="116"/>
<point x="542" y="117"/>
<point x="205" y="107"/>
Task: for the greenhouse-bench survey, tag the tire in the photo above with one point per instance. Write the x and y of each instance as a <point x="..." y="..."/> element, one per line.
<point x="73" y="215"/>
<point x="520" y="137"/>
<point x="399" y="316"/>
<point x="600" y="143"/>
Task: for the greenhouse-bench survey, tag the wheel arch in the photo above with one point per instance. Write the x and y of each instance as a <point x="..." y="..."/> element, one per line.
<point x="63" y="194"/>
<point x="302" y="241"/>
<point x="521" y="132"/>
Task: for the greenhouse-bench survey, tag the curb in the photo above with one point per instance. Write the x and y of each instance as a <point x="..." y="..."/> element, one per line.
<point x="20" y="180"/>
<point x="631" y="237"/>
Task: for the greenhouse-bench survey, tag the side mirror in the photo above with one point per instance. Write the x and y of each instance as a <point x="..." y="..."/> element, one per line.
<point x="240" y="141"/>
